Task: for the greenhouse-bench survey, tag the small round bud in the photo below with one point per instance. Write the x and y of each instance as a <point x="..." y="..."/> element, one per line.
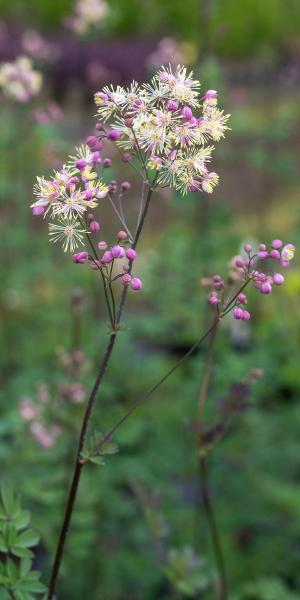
<point x="114" y="135"/>
<point x="93" y="143"/>
<point x="278" y="278"/>
<point x="242" y="298"/>
<point x="80" y="257"/>
<point x="210" y="94"/>
<point x="130" y="253"/>
<point x="136" y="284"/>
<point x="238" y="313"/>
<point x="266" y="288"/>
<point x="90" y="217"/>
<point x="118" y="252"/>
<point x="213" y="299"/>
<point x="239" y="262"/>
<point x="263" y="254"/>
<point x="94" y="226"/>
<point x="38" y="210"/>
<point x="126" y="157"/>
<point x="275" y="254"/>
<point x="107" y="163"/>
<point x="128" y="122"/>
<point x="246" y="315"/>
<point x="217" y="278"/>
<point x="276" y="244"/>
<point x="102" y="245"/>
<point x="126" y="279"/>
<point x="122" y="235"/>
<point x="125" y="186"/>
<point x="262" y="247"/>
<point x="107" y="257"/>
<point x="81" y="164"/>
<point x="248" y="248"/>
<point x="172" y="105"/>
<point x="187" y="113"/>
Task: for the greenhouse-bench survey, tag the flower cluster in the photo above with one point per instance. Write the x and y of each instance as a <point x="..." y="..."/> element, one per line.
<point x="69" y="194"/>
<point x="169" y="125"/>
<point x="87" y="14"/>
<point x="249" y="269"/>
<point x="18" y="80"/>
<point x="111" y="256"/>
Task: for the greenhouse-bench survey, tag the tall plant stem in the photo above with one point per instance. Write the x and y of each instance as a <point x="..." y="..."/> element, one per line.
<point x="206" y="497"/>
<point x="85" y="423"/>
<point x="214" y="531"/>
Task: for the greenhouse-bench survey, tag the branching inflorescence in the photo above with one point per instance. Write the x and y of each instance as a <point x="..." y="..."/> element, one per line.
<point x="164" y="130"/>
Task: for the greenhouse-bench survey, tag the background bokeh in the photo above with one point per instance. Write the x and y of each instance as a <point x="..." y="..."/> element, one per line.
<point x="139" y="532"/>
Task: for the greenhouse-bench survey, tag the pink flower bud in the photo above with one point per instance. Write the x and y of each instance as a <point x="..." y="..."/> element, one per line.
<point x="81" y="164"/>
<point x="275" y="254"/>
<point x="131" y="254"/>
<point x="93" y="143"/>
<point x="106" y="163"/>
<point x="38" y="210"/>
<point x="80" y="257"/>
<point x="248" y="248"/>
<point x="126" y="157"/>
<point x="126" y="279"/>
<point x="238" y="313"/>
<point x="262" y="247"/>
<point x="210" y="94"/>
<point x="242" y="298"/>
<point x="128" y="122"/>
<point x="187" y="113"/>
<point x="136" y="284"/>
<point x="118" y="252"/>
<point x="246" y="315"/>
<point x="125" y="186"/>
<point x="102" y="245"/>
<point x="239" y="262"/>
<point x="172" y="105"/>
<point x="217" y="278"/>
<point x="213" y="299"/>
<point x="114" y="135"/>
<point x="263" y="254"/>
<point x="278" y="278"/>
<point x="96" y="159"/>
<point x="94" y="227"/>
<point x="276" y="244"/>
<point x="266" y="288"/>
<point x="107" y="257"/>
<point x="122" y="235"/>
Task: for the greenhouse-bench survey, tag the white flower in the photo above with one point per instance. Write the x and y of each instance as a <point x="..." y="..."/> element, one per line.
<point x="68" y="232"/>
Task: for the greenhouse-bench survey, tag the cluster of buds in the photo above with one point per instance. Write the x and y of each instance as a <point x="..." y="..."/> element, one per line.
<point x="111" y="256"/>
<point x="249" y="270"/>
<point x="169" y="123"/>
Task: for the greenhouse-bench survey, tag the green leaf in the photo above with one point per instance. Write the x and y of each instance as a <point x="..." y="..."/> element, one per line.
<point x="27" y="539"/>
<point x="3" y="546"/>
<point x="96" y="460"/>
<point x="22" y="520"/>
<point x="12" y="570"/>
<point x="10" y="501"/>
<point x="7" y="496"/>
<point x="25" y="566"/>
<point x="21" y="552"/>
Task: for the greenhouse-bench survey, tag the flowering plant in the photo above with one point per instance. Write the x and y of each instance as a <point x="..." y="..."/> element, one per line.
<point x="164" y="131"/>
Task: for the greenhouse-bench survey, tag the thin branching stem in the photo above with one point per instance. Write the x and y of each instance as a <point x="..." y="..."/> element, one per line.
<point x="87" y="416"/>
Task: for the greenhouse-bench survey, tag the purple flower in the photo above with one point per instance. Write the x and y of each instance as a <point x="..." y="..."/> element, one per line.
<point x="118" y="252"/>
<point x="80" y="257"/>
<point x="131" y="254"/>
<point x="136" y="284"/>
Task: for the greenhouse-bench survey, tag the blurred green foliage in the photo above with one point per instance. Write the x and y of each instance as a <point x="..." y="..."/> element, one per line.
<point x="226" y="27"/>
<point x="127" y="547"/>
